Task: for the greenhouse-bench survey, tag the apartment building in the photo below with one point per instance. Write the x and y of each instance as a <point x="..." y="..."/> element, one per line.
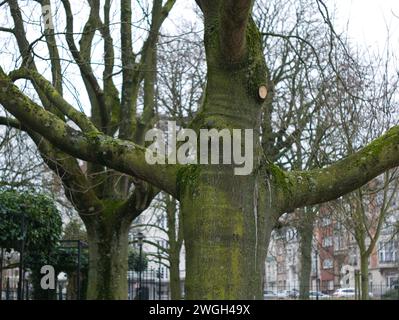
<point x="335" y="257"/>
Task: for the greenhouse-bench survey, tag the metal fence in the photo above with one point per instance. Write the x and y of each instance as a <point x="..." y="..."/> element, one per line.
<point x="10" y="290"/>
<point x="155" y="288"/>
<point x="147" y="285"/>
<point x="292" y="292"/>
<point x="152" y="287"/>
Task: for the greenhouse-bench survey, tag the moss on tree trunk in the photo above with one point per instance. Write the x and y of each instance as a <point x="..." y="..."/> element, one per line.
<point x="226" y="233"/>
<point x="108" y="254"/>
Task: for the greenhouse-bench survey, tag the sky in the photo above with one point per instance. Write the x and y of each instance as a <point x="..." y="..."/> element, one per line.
<point x="368" y="21"/>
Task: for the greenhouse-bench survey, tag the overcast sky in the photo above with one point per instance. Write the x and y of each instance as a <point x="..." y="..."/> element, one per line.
<point x="368" y="21"/>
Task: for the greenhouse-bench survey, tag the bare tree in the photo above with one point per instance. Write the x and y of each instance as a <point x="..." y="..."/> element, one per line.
<point x="106" y="200"/>
<point x="227" y="218"/>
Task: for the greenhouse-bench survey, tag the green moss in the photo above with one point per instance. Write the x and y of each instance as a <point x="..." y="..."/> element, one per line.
<point x="187" y="177"/>
<point x="257" y="70"/>
<point x="376" y="147"/>
<point x="92" y="135"/>
<point x="110" y="209"/>
<point x="281" y="179"/>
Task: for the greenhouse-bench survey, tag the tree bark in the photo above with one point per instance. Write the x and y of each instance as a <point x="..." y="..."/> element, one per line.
<point x="108" y="254"/>
<point x="227" y="218"/>
<point x="364" y="276"/>
<point x="226" y="232"/>
<point x="306" y="234"/>
<point x="175" y="283"/>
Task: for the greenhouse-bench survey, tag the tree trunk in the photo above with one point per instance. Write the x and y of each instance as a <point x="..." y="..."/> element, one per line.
<point x="306" y="235"/>
<point x="175" y="284"/>
<point x="226" y="235"/>
<point x="71" y="288"/>
<point x="364" y="276"/>
<point x="108" y="256"/>
<point x="227" y="218"/>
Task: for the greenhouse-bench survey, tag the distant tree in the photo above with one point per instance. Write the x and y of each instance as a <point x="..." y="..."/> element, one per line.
<point x="134" y="261"/>
<point x="74" y="230"/>
<point x="167" y="224"/>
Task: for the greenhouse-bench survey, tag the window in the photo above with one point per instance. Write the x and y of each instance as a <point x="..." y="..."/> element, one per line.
<point x="388" y="251"/>
<point x="339" y="242"/>
<point x="327" y="264"/>
<point x="327" y="242"/>
<point x="353" y="256"/>
<point x="392" y="281"/>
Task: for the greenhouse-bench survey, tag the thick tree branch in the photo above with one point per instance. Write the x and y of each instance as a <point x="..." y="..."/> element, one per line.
<point x="120" y="155"/>
<point x="149" y="64"/>
<point x="25" y="50"/>
<point x="77" y="187"/>
<point x="52" y="49"/>
<point x="20" y="34"/>
<point x="138" y="202"/>
<point x="55" y="98"/>
<point x="316" y="186"/>
<point x="234" y="20"/>
<point x="130" y="75"/>
<point x="94" y="90"/>
<point x="111" y="93"/>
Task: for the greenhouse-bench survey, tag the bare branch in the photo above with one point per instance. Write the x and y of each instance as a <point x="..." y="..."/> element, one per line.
<point x="120" y="155"/>
<point x="54" y="97"/>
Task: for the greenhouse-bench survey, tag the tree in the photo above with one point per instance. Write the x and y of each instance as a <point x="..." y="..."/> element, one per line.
<point x="303" y="66"/>
<point x="135" y="263"/>
<point x="227" y="218"/>
<point x="34" y="218"/>
<point x="107" y="200"/>
<point x="20" y="167"/>
<point x="364" y="213"/>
